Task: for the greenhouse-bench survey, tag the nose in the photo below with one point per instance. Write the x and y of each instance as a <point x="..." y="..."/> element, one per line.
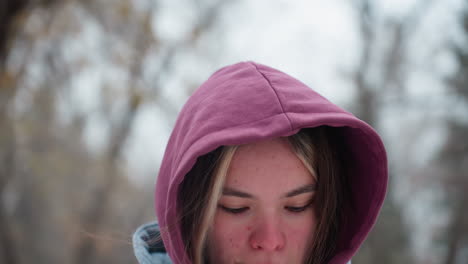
<point x="267" y="235"/>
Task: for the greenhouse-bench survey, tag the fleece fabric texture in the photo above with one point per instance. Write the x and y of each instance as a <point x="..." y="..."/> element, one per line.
<point x="248" y="102"/>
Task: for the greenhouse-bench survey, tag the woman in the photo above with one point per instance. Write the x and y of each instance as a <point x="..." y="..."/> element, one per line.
<point x="261" y="169"/>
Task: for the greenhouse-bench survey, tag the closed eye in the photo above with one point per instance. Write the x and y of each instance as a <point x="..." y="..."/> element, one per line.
<point x="234" y="210"/>
<point x="295" y="209"/>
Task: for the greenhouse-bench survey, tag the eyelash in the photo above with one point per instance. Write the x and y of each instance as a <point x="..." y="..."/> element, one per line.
<point x="240" y="210"/>
<point x="297" y="209"/>
<point x="234" y="210"/>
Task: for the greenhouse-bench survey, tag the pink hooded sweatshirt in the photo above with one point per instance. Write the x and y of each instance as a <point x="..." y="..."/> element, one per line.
<point x="248" y="102"/>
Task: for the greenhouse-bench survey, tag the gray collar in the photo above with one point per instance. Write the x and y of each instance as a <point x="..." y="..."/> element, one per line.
<point x="148" y="246"/>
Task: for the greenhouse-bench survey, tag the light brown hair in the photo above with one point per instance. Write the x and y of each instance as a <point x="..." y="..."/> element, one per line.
<point x="318" y="148"/>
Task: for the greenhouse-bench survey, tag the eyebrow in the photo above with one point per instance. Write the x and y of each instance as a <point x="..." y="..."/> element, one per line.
<point x="301" y="190"/>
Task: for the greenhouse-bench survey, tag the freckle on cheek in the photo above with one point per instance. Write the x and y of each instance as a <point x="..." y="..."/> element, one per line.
<point x="249" y="228"/>
<point x="233" y="244"/>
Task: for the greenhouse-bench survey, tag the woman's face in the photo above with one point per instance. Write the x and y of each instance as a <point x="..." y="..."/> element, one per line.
<point x="266" y="212"/>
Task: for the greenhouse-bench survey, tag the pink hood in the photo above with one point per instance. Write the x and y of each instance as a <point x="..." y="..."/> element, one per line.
<point x="247" y="102"/>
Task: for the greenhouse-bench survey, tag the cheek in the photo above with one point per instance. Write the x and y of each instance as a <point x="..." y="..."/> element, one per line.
<point x="301" y="230"/>
<point x="228" y="235"/>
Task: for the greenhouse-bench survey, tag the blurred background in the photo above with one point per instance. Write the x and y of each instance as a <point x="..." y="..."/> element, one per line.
<point x="90" y="90"/>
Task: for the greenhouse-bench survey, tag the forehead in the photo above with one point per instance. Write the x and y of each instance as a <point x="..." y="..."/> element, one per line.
<point x="269" y="165"/>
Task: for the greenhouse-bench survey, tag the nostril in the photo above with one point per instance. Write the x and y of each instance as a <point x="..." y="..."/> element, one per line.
<point x="256" y="246"/>
<point x="267" y="245"/>
<point x="269" y="240"/>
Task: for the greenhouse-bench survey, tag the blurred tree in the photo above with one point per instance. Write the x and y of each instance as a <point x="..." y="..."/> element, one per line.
<point x="381" y="74"/>
<point x="10" y="12"/>
<point x="49" y="152"/>
<point x="140" y="32"/>
<point x="65" y="197"/>
<point x="453" y="157"/>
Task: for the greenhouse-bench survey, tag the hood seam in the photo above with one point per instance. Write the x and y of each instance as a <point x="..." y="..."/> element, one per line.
<point x="276" y="94"/>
